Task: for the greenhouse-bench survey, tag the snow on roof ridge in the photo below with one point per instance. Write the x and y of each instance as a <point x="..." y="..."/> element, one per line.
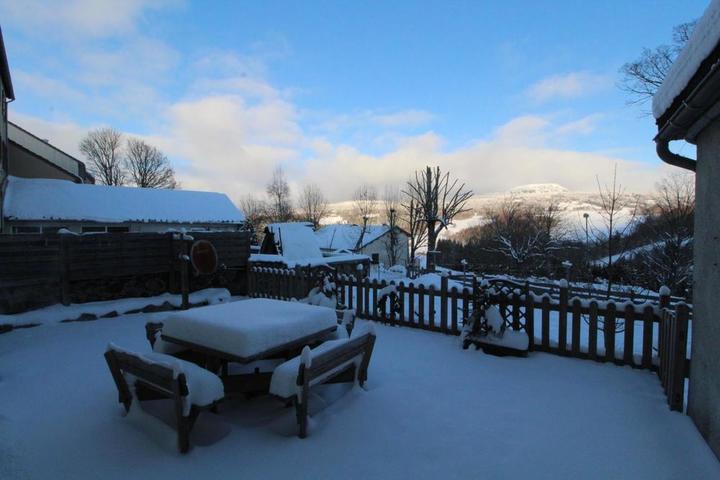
<point x="50" y="199"/>
<point x="704" y="39"/>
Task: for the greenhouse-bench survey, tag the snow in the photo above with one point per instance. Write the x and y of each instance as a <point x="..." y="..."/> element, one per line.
<point x="541" y="417"/>
<point x="539" y="189"/>
<point x="203" y="386"/>
<point x="284" y="378"/>
<point x="494" y="319"/>
<point x="58" y="313"/>
<point x="704" y="39"/>
<point x="299" y="246"/>
<point x="346" y="236"/>
<point x="44" y="199"/>
<point x="308" y="261"/>
<point x="248" y="327"/>
<point x="296" y="240"/>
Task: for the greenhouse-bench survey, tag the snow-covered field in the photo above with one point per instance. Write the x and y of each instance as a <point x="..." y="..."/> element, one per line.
<point x="431" y="410"/>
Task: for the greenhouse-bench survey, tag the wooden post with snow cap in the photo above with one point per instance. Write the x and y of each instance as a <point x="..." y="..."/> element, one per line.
<point x="664" y="294"/>
<point x="184" y="260"/>
<point x="529" y="316"/>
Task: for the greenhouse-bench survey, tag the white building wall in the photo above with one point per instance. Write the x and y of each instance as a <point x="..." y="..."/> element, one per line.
<point x="381" y="246"/>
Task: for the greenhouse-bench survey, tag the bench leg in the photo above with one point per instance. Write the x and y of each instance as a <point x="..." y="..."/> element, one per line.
<point x="124" y="395"/>
<point x="184" y="426"/>
<point x="301" y="413"/>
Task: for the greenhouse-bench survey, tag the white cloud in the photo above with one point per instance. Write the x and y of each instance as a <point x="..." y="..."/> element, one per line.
<point x="79" y="18"/>
<point x="570" y="85"/>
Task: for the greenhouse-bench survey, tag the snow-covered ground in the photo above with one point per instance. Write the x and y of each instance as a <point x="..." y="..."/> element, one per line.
<point x="431" y="410"/>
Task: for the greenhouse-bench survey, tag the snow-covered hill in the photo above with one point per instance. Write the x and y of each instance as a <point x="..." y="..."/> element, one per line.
<point x="573" y="206"/>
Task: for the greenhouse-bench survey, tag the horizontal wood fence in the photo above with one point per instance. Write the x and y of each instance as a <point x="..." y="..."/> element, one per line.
<point x="38" y="270"/>
<point x="650" y="335"/>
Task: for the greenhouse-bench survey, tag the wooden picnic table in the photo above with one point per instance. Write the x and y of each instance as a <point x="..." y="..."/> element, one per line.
<point x="247" y="331"/>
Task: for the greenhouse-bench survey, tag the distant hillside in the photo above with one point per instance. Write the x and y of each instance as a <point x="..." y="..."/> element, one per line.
<point x="572" y="204"/>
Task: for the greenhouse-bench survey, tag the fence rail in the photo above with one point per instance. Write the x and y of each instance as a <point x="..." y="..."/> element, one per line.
<point x="37" y="270"/>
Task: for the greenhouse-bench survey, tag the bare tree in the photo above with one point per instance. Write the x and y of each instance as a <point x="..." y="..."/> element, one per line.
<point x="147" y="166"/>
<point x="414" y="223"/>
<point x="254" y="211"/>
<point x="103" y="149"/>
<point x="528" y="234"/>
<point x="440" y="199"/>
<point x="618" y="214"/>
<point x="312" y="205"/>
<point x="391" y="211"/>
<point x="641" y="78"/>
<point x="365" y="201"/>
<point x="280" y="207"/>
<point x="669" y="260"/>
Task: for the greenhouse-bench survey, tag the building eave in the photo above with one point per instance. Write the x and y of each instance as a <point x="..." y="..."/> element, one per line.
<point x="5" y="70"/>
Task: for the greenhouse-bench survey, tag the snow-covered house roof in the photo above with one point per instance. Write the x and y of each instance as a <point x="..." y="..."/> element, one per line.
<point x="704" y="39"/>
<point x="295" y="244"/>
<point x="44" y="199"/>
<point x="347" y="236"/>
<point x="295" y="240"/>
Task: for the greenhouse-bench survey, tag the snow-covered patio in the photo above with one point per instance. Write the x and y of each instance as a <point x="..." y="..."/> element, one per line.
<point x="431" y="410"/>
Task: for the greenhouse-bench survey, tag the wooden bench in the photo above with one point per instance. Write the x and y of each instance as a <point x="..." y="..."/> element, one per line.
<point x="191" y="388"/>
<point x="335" y="361"/>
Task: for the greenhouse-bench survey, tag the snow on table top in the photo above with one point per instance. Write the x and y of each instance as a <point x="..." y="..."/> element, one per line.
<point x="346" y="236"/>
<point x="45" y="199"/>
<point x="703" y="40"/>
<point x="248" y="327"/>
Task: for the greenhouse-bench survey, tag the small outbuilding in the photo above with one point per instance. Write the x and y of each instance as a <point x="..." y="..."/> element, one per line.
<point x="390" y="245"/>
<point x="295" y="244"/>
<point x="35" y="205"/>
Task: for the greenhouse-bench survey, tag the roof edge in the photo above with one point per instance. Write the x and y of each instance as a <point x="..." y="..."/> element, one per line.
<point x="5" y="70"/>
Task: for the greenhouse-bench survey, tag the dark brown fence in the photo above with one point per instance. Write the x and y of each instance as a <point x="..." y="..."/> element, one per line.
<point x="37" y="270"/>
<point x="673" y="367"/>
<point x="648" y="335"/>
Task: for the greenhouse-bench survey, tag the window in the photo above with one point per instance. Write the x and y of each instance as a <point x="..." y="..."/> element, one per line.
<point x="118" y="229"/>
<point x="26" y="229"/>
<point x="47" y="229"/>
<point x="93" y="229"/>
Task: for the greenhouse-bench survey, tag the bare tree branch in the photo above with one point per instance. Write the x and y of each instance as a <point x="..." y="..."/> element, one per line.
<point x="102" y="147"/>
<point x="147" y="166"/>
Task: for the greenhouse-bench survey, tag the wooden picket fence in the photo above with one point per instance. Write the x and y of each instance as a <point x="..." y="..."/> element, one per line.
<point x="650" y="335"/>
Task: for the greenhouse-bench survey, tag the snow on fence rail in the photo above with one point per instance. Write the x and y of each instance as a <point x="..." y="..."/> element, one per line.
<point x="38" y="270"/>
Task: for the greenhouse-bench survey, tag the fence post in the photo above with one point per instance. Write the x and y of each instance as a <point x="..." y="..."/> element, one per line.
<point x="444" y="303"/>
<point x="664" y="295"/>
<point x="679" y="359"/>
<point x="65" y="279"/>
<point x="562" y="318"/>
<point x="529" y="317"/>
<point x="184" y="274"/>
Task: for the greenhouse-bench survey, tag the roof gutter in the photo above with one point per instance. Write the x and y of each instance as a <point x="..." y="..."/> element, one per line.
<point x="689" y="118"/>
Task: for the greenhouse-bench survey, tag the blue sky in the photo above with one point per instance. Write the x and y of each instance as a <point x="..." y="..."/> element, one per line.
<point x="339" y="93"/>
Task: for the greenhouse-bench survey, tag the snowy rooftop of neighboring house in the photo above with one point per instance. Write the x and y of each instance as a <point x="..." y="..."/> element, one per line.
<point x="44" y="199"/>
<point x="296" y="239"/>
<point x="300" y="247"/>
<point x="345" y="236"/>
<point x="704" y="39"/>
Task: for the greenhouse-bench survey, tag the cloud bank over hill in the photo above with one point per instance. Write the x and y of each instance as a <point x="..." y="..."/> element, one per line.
<point x="231" y="125"/>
